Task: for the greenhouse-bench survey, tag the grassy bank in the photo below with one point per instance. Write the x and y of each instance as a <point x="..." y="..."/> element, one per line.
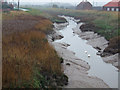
<point x="104" y="23"/>
<point x="28" y="60"/>
<point x="52" y="16"/>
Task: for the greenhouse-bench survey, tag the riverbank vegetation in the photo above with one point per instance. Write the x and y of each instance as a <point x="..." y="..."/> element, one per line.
<point x="102" y="22"/>
<point x="52" y="16"/>
<point x="28" y="60"/>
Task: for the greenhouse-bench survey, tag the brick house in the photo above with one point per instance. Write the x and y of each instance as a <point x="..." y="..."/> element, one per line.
<point x="84" y="5"/>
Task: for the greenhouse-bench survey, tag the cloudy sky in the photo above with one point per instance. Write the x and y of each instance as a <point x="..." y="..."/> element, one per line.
<point x="69" y="1"/>
<point x="64" y="1"/>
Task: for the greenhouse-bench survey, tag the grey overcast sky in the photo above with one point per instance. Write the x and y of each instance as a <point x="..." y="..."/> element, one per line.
<point x="74" y="2"/>
<point x="69" y="1"/>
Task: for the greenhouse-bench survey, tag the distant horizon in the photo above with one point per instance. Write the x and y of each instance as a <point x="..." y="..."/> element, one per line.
<point x="74" y="3"/>
<point x="68" y="1"/>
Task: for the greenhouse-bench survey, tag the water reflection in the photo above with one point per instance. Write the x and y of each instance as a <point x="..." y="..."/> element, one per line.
<point x="98" y="68"/>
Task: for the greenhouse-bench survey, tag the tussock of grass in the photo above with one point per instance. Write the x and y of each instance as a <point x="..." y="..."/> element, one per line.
<point x="44" y="26"/>
<point x="22" y="53"/>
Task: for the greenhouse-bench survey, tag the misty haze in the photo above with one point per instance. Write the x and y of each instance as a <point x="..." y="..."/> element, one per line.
<point x="61" y="44"/>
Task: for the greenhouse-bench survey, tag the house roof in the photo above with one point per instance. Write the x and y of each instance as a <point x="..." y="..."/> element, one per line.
<point x="84" y="4"/>
<point x="113" y="3"/>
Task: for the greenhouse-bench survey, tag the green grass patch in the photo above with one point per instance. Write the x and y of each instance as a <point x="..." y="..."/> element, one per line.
<point x="107" y="22"/>
<point x="53" y="17"/>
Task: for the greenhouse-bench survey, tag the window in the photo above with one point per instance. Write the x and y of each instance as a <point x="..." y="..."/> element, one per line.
<point x="117" y="9"/>
<point x="108" y="9"/>
<point x="112" y="9"/>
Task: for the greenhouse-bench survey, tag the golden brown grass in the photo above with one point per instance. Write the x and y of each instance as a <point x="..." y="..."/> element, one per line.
<point x="25" y="51"/>
<point x="0" y="16"/>
<point x="22" y="22"/>
<point x="13" y="14"/>
<point x="44" y="26"/>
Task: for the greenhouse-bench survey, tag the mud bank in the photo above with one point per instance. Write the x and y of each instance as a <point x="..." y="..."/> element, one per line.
<point x="75" y="68"/>
<point x="98" y="42"/>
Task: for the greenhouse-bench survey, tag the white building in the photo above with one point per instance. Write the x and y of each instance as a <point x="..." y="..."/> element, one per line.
<point x="114" y="5"/>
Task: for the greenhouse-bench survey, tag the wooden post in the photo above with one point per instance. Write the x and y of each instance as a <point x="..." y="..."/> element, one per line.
<point x="18" y="4"/>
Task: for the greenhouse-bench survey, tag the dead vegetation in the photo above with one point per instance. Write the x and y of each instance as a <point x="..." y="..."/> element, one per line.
<point x="27" y="53"/>
<point x="113" y="46"/>
<point x="25" y="22"/>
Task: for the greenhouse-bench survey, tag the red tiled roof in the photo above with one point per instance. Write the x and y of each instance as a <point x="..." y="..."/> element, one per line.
<point x="115" y="0"/>
<point x="113" y="4"/>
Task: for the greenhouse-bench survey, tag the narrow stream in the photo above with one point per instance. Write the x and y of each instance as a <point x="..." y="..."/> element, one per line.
<point x="24" y="9"/>
<point x="98" y="68"/>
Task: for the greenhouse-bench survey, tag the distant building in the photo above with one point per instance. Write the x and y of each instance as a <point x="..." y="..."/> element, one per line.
<point x="114" y="5"/>
<point x="6" y="6"/>
<point x="55" y="6"/>
<point x="84" y="5"/>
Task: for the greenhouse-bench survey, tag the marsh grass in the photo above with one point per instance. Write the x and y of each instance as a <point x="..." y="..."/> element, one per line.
<point x="27" y="53"/>
<point x="12" y="14"/>
<point x="23" y="52"/>
<point x="105" y="22"/>
<point x="51" y="16"/>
